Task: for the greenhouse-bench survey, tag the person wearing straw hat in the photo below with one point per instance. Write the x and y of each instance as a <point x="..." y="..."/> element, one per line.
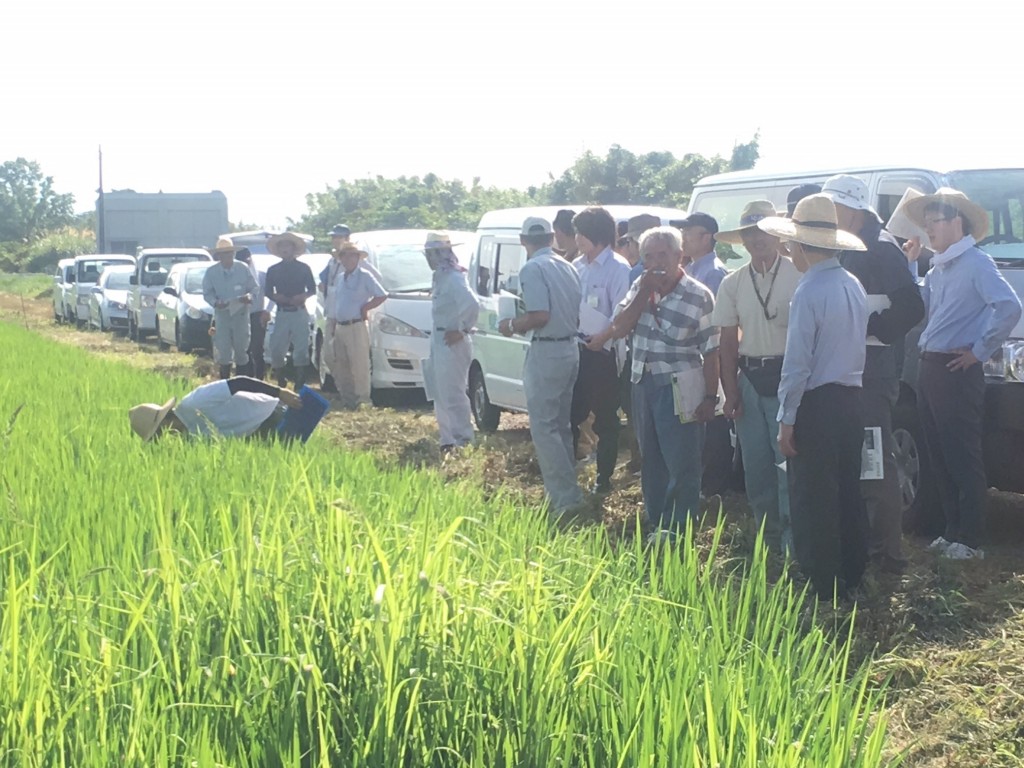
<point x="454" y="311"/>
<point x="821" y="428"/>
<point x="752" y="313"/>
<point x="237" y="407"/>
<point x="228" y="287"/>
<point x="257" y="324"/>
<point x="971" y="311"/>
<point x="289" y="283"/>
<point x="551" y="296"/>
<point x="355" y="293"/>
<point x="894" y="306"/>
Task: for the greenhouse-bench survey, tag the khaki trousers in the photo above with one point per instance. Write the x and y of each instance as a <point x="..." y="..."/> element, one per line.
<point x="350" y="363"/>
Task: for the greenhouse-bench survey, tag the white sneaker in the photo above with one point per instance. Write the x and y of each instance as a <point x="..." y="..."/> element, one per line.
<point x="939" y="545"/>
<point x="958" y="551"/>
<point x="661" y="536"/>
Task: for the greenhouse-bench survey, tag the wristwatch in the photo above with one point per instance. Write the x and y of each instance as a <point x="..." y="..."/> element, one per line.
<point x="712" y="397"/>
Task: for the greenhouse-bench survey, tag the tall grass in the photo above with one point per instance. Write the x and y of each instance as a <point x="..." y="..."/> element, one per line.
<point x="249" y="604"/>
<point x="25" y="284"/>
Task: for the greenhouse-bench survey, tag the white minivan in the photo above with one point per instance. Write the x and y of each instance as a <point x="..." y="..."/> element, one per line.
<point x="87" y="274"/>
<point x="152" y="267"/>
<point x="1001" y="192"/>
<point x="496" y="373"/>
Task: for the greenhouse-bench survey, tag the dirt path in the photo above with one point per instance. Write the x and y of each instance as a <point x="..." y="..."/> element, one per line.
<point x="949" y="635"/>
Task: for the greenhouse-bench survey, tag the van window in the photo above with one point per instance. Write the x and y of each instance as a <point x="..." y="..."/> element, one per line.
<point x="726" y="205"/>
<point x="154" y="269"/>
<point x="510" y="259"/>
<point x="485" y="285"/>
<point x="89" y="270"/>
<point x="1001" y="193"/>
<point x="891" y="189"/>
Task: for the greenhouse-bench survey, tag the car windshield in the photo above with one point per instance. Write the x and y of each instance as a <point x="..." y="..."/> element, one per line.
<point x="1001" y="193"/>
<point x="118" y="281"/>
<point x="193" y="282"/>
<point x="155" y="268"/>
<point x="89" y="271"/>
<point x="404" y="269"/>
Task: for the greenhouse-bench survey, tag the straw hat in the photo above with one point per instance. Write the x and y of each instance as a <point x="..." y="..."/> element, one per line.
<point x="813" y="224"/>
<point x="275" y="242"/>
<point x="147" y="418"/>
<point x="437" y="240"/>
<point x="974" y="213"/>
<point x="225" y="246"/>
<point x="753" y="212"/>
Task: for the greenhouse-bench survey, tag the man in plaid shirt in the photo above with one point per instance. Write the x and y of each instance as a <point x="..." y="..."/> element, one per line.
<point x="675" y="376"/>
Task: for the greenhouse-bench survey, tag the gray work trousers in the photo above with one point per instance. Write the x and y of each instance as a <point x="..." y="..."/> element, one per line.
<point x="290" y="329"/>
<point x="231" y="337"/>
<point x="451" y="378"/>
<point x="551" y="369"/>
<point x="882" y="498"/>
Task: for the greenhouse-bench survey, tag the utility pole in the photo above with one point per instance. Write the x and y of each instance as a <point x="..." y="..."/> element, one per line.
<point x="100" y="216"/>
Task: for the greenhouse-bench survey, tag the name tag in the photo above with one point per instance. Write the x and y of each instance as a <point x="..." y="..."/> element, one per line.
<point x="592" y="302"/>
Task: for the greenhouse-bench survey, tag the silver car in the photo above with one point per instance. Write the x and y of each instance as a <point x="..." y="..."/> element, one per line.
<point x="108" y="299"/>
<point x="183" y="316"/>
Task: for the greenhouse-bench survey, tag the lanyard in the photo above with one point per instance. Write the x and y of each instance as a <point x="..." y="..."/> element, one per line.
<point x="768" y="297"/>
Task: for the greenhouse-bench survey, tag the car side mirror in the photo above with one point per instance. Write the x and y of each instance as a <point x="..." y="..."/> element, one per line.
<point x="171" y="292"/>
<point x="97" y="290"/>
<point x="133" y="279"/>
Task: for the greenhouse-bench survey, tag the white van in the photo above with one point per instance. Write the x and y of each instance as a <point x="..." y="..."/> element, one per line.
<point x="496" y="373"/>
<point x="63" y="281"/>
<point x="1001" y="192"/>
<point x="152" y="267"/>
<point x="87" y="273"/>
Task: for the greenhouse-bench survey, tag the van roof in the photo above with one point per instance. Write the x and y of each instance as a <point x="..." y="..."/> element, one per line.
<point x="402" y="236"/>
<point x="512" y="218"/>
<point x="102" y="257"/>
<point x="756" y="175"/>
<point x="172" y="251"/>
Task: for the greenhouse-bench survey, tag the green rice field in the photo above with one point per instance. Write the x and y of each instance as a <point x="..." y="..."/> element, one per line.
<point x="233" y="603"/>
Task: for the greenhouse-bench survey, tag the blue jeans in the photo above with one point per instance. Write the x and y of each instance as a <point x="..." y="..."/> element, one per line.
<point x="767" y="485"/>
<point x="671" y="452"/>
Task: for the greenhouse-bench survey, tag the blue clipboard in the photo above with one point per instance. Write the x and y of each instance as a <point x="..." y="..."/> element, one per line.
<point x="300" y="423"/>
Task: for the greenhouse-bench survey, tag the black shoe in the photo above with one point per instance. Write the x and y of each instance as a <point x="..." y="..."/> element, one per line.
<point x="602" y="486"/>
<point x="225" y="371"/>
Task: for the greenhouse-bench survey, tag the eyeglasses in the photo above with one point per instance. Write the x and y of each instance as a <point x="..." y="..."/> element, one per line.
<point x="624" y="241"/>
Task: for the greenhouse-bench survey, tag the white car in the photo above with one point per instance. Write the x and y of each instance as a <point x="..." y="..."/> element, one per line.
<point x="182" y="315"/>
<point x="87" y="272"/>
<point x="496" y="373"/>
<point x="108" y="300"/>
<point x="151" y="271"/>
<point x="63" y="279"/>
<point x="400" y="327"/>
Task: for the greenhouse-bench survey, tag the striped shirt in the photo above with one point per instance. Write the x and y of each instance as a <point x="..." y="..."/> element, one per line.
<point x="674" y="333"/>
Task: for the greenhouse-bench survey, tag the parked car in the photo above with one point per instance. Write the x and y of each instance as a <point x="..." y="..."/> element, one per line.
<point x="183" y="317"/>
<point x="1001" y="192"/>
<point x="87" y="272"/>
<point x="63" y="279"/>
<point x="152" y="267"/>
<point x="400" y="327"/>
<point x="496" y="373"/>
<point x="108" y="299"/>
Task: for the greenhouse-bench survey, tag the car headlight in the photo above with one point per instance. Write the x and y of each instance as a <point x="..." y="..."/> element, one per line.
<point x="194" y="312"/>
<point x="116" y="305"/>
<point x="148" y="302"/>
<point x="395" y="327"/>
<point x="1013" y="355"/>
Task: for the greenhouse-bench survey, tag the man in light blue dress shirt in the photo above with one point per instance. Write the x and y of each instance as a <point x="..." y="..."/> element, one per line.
<point x="821" y="429"/>
<point x="971" y="310"/>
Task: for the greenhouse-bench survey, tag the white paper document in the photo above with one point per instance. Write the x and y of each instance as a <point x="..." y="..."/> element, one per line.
<point x="593" y="322"/>
<point x="687" y="393"/>
<point x="871" y="467"/>
<point x="900" y="224"/>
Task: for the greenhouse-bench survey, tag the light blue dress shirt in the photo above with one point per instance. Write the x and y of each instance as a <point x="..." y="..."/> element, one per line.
<point x="827" y="318"/>
<point x="969" y="304"/>
<point x="603" y="281"/>
<point x="352" y="291"/>
<point x="453" y="305"/>
<point x="708" y="269"/>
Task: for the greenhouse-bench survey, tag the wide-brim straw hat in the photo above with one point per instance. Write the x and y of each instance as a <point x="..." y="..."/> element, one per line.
<point x="974" y="213"/>
<point x="225" y="246"/>
<point x="752" y="213"/>
<point x="275" y="242"/>
<point x="147" y="418"/>
<point x="436" y="240"/>
<point x="814" y="223"/>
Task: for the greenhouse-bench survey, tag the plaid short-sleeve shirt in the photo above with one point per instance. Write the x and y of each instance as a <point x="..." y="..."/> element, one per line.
<point x="674" y="333"/>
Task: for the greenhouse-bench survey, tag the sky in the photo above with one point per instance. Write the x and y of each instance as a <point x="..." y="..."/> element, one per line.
<point x="268" y="102"/>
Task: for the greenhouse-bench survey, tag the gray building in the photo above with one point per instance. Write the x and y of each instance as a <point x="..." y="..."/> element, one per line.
<point x="130" y="220"/>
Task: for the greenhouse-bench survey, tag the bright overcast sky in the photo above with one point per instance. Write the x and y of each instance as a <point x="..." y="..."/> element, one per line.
<point x="270" y="101"/>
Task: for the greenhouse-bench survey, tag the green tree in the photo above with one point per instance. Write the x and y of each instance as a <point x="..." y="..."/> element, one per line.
<point x="29" y="205"/>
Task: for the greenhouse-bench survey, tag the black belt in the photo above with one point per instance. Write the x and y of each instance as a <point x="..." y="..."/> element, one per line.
<point x="553" y="338"/>
<point x="350" y="322"/>
<point x="759" y="362"/>
<point x="940" y="357"/>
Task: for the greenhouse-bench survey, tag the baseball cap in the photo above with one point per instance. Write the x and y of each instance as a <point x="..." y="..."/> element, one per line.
<point x="535" y="225"/>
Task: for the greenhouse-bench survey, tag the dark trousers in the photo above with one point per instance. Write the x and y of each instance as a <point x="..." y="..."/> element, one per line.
<point x="597" y="391"/>
<point x="951" y="405"/>
<point x="829" y="522"/>
<point x="882" y="498"/>
<point x="257" y="338"/>
<point x="718" y="456"/>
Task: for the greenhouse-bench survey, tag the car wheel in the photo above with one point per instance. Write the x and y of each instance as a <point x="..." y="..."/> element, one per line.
<point x="182" y="345"/>
<point x="916" y="486"/>
<point x="103" y="325"/>
<point x="68" y="317"/>
<point x="485" y="414"/>
<point x="162" y="345"/>
<point x="326" y="379"/>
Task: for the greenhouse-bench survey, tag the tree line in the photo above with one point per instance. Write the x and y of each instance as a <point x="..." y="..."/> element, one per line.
<point x="38" y="225"/>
